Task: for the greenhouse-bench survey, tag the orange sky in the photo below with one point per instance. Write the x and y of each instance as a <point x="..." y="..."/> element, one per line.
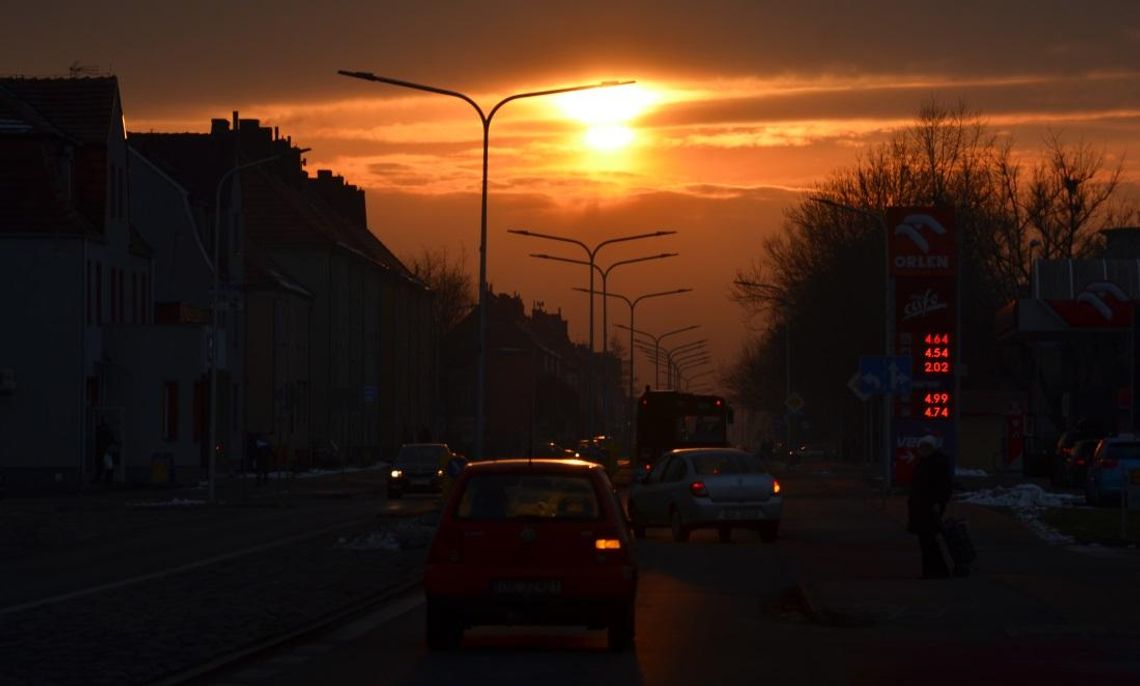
<point x="738" y="106"/>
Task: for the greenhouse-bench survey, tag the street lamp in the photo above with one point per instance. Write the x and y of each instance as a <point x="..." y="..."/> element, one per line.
<point x="657" y="345"/>
<point x="888" y="328"/>
<point x="592" y="253"/>
<point x="215" y="297"/>
<point x="485" y="118"/>
<point x="632" y="303"/>
<point x="689" y="381"/>
<point x="605" y="305"/>
<point x="778" y="297"/>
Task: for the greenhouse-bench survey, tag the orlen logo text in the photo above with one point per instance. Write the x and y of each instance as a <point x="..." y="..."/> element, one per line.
<point x="921" y="243"/>
<point x="914" y="227"/>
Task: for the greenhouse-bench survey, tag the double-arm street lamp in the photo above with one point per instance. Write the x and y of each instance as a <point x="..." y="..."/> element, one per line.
<point x="605" y="273"/>
<point x="592" y="253"/>
<point x="689" y="381"/>
<point x="632" y="303"/>
<point x="485" y="118"/>
<point x="657" y="346"/>
<point x="215" y="297"/>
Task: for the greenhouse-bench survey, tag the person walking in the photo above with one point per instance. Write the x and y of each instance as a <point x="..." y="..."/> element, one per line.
<point x="929" y="494"/>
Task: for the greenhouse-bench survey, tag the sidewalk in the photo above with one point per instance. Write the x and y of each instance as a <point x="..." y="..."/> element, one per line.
<point x="1020" y="585"/>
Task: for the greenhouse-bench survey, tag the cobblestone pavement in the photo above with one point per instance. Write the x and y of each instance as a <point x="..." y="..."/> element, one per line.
<point x="126" y="586"/>
<point x="142" y="632"/>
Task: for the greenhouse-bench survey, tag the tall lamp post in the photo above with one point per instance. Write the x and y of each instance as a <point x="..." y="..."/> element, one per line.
<point x="657" y="345"/>
<point x="605" y="306"/>
<point x="681" y="353"/>
<point x="888" y="328"/>
<point x="592" y="253"/>
<point x="689" y="381"/>
<point x="632" y="303"/>
<point x="485" y="118"/>
<point x="215" y="297"/>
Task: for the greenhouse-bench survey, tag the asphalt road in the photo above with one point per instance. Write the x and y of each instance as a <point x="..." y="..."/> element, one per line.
<point x="737" y="613"/>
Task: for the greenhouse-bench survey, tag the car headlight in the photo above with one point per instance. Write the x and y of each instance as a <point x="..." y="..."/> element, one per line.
<point x="397" y="473"/>
<point x="439" y="472"/>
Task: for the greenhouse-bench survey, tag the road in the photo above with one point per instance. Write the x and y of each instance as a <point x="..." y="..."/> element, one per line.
<point x="835" y="601"/>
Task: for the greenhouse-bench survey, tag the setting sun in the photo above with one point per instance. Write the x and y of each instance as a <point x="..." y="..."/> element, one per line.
<point x="609" y="137"/>
<point x="607" y="105"/>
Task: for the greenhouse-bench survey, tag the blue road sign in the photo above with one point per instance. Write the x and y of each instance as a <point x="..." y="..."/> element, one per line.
<point x="880" y="374"/>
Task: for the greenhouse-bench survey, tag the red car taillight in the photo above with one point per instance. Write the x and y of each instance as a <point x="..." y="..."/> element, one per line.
<point x="698" y="489"/>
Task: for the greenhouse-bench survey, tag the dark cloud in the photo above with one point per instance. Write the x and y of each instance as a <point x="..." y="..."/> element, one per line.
<point x="248" y="52"/>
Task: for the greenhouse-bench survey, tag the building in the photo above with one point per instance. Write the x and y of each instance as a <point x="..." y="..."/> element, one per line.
<point x="77" y="287"/>
<point x="337" y="365"/>
<point x="1069" y="342"/>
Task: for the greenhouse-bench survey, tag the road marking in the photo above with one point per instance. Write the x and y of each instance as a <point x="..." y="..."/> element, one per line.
<point x="182" y="568"/>
<point x="378" y="618"/>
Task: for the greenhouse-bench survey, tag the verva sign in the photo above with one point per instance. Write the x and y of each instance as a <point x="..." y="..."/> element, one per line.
<point x="922" y="241"/>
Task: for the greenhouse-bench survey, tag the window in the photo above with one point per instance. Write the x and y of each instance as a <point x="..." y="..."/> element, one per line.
<point x="676" y="471"/>
<point x="90" y="296"/>
<point x="170" y="411"/>
<point x="529" y="496"/>
<point x="114" y="295"/>
<point x="98" y="292"/>
<point x="712" y="464"/>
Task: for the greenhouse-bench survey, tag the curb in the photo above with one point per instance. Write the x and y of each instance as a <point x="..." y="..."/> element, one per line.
<point x="322" y="624"/>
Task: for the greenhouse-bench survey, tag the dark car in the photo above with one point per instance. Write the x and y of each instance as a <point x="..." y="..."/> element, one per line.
<point x="419" y="468"/>
<point x="1073" y="464"/>
<point x="531" y="542"/>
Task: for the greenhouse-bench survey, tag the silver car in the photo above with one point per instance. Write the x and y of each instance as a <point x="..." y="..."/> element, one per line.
<point x="707" y="488"/>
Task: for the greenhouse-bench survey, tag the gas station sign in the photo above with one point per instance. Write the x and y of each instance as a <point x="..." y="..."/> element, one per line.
<point x="923" y="265"/>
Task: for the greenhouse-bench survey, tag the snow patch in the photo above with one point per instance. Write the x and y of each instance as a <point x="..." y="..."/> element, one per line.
<point x="979" y="473"/>
<point x="1027" y="502"/>
<point x="375" y="540"/>
<point x="177" y="502"/>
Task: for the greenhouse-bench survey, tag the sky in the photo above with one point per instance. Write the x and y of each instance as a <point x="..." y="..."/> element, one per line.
<point x="738" y="108"/>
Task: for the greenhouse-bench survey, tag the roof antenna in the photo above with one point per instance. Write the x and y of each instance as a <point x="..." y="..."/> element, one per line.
<point x="77" y="70"/>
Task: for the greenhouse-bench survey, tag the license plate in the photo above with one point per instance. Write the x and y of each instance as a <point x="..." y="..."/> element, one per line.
<point x="527" y="587"/>
<point x="740" y="514"/>
<point x="421" y="482"/>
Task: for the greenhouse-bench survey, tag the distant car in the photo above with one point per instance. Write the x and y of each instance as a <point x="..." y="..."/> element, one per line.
<point x="1072" y="465"/>
<point x="555" y="451"/>
<point x="419" y="468"/>
<point x="1116" y="458"/>
<point x="524" y="542"/>
<point x="707" y="488"/>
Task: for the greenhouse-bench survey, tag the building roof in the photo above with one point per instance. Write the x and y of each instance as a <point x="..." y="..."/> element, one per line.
<point x="80" y="107"/>
<point x="30" y="193"/>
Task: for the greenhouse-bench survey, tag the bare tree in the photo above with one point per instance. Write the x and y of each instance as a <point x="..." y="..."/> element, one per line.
<point x="819" y="284"/>
<point x="452" y="285"/>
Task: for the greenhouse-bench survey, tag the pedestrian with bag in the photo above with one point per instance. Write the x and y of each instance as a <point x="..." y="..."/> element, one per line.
<point x="929" y="494"/>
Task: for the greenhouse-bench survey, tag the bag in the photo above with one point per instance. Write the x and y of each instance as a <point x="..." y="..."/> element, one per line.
<point x="958" y="544"/>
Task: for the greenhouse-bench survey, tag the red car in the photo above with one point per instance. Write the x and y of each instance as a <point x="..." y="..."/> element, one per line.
<point x="537" y="542"/>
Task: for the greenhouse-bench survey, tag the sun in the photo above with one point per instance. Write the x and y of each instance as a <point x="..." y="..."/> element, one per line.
<point x="607" y="111"/>
<point x="606" y="137"/>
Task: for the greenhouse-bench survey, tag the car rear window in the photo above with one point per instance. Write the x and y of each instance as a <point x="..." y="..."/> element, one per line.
<point x="419" y="454"/>
<point x="712" y="464"/>
<point x="528" y="496"/>
<point x="1124" y="451"/>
